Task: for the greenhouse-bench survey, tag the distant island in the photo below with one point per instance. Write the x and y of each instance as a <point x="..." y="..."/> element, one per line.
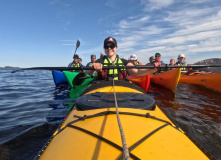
<point x="9" y="67"/>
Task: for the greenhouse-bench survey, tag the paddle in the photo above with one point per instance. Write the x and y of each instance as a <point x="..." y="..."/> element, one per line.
<point x="211" y="61"/>
<point x="117" y="67"/>
<point x="77" y="45"/>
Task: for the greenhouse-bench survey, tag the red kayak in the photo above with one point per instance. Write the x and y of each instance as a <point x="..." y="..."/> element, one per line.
<point x="142" y="81"/>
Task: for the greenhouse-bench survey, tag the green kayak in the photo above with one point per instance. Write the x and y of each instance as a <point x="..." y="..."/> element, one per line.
<point x="71" y="75"/>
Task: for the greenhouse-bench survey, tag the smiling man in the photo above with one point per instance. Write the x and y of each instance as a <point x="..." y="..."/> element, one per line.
<point x="112" y="59"/>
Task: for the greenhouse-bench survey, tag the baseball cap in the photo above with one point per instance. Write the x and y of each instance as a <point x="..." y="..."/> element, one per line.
<point x="75" y="56"/>
<point x="110" y="40"/>
<point x="133" y="57"/>
<point x="151" y="58"/>
<point x="93" y="55"/>
<point x="158" y="53"/>
<point x="181" y="55"/>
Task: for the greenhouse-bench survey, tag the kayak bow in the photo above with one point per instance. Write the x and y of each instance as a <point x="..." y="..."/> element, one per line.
<point x="168" y="79"/>
<point x="91" y="131"/>
<point x="207" y="79"/>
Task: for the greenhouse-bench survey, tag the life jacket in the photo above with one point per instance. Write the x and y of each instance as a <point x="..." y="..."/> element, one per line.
<point x="88" y="65"/>
<point x="116" y="74"/>
<point x="75" y="65"/>
<point x="158" y="62"/>
<point x="182" y="69"/>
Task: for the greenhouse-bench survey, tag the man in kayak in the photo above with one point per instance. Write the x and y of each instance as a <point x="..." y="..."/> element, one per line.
<point x="93" y="59"/>
<point x="133" y="59"/>
<point x="101" y="55"/>
<point x="75" y="63"/>
<point x="151" y="59"/>
<point x="181" y="61"/>
<point x="112" y="59"/>
<point x="158" y="59"/>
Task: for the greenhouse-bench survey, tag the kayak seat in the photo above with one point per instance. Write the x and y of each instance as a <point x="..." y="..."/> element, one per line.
<point x="100" y="100"/>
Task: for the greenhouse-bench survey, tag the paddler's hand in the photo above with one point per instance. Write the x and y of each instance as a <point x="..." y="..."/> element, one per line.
<point x="97" y="66"/>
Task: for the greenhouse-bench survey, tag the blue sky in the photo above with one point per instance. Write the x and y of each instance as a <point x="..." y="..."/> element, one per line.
<point x="44" y="32"/>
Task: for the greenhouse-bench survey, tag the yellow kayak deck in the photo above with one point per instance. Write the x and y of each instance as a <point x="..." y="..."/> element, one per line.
<point x="94" y="134"/>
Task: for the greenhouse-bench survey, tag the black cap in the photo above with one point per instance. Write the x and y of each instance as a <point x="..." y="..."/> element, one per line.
<point x="75" y="56"/>
<point x="93" y="55"/>
<point x="110" y="40"/>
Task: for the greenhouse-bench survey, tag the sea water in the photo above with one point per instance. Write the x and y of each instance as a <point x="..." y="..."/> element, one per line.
<point x="32" y="107"/>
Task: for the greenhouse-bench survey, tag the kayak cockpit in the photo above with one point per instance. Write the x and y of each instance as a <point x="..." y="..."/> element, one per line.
<point x="100" y="100"/>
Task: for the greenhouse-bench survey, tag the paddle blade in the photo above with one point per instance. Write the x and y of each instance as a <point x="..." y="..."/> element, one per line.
<point x="77" y="81"/>
<point x="78" y="44"/>
<point x="211" y="61"/>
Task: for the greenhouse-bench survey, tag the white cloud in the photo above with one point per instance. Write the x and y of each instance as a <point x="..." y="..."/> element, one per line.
<point x="199" y="1"/>
<point x="187" y="30"/>
<point x="133" y="23"/>
<point x="110" y="3"/>
<point x="156" y="4"/>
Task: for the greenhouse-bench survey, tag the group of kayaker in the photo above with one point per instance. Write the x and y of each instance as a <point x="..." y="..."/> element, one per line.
<point x="157" y="59"/>
<point x="112" y="59"/>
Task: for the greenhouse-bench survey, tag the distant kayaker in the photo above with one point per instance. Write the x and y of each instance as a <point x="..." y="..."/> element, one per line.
<point x="181" y="61"/>
<point x="133" y="59"/>
<point x="151" y="59"/>
<point x="75" y="63"/>
<point x="101" y="55"/>
<point x="80" y="60"/>
<point x="158" y="59"/>
<point x="112" y="59"/>
<point x="172" y="61"/>
<point x="93" y="59"/>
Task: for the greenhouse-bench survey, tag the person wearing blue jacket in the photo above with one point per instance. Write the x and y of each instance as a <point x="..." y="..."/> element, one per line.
<point x="93" y="59"/>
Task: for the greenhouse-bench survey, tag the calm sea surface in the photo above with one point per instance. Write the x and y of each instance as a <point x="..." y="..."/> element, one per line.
<point x="32" y="107"/>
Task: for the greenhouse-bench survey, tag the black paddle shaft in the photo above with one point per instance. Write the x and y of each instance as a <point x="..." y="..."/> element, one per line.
<point x="117" y="67"/>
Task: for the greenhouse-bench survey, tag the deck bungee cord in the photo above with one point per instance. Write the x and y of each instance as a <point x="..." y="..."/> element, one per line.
<point x="126" y="153"/>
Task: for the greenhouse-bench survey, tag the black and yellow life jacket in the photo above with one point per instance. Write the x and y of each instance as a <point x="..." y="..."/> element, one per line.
<point x="75" y="65"/>
<point x="182" y="69"/>
<point x="113" y="73"/>
<point x="137" y="64"/>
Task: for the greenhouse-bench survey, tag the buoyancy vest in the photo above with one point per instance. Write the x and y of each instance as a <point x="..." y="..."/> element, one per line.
<point x="137" y="64"/>
<point x="88" y="65"/>
<point x="75" y="65"/>
<point x="116" y="74"/>
<point x="184" y="63"/>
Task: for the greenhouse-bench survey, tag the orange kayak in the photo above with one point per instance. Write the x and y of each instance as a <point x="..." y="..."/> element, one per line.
<point x="207" y="79"/>
<point x="142" y="81"/>
<point x="168" y="79"/>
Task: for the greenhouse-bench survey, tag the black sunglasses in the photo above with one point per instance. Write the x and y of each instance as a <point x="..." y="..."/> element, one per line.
<point x="111" y="46"/>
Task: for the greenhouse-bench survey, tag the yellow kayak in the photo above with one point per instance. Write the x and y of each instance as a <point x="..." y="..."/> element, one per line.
<point x="90" y="131"/>
<point x="168" y="79"/>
